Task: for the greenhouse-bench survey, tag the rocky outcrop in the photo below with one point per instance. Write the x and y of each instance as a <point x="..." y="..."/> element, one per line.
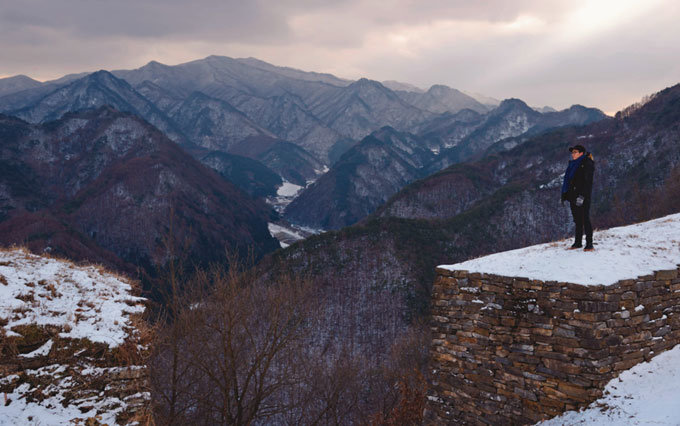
<point x="509" y="350"/>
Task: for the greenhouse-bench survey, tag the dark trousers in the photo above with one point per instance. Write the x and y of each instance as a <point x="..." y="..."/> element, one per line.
<point x="581" y="217"/>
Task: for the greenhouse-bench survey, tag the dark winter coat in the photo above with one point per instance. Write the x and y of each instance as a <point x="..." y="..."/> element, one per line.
<point x="582" y="182"/>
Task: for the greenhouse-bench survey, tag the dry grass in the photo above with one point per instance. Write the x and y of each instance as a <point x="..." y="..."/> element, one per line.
<point x="26" y="297"/>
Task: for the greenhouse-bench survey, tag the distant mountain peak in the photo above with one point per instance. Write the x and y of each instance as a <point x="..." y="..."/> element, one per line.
<point x="545" y="109"/>
<point x="101" y="77"/>
<point x="19" y="77"/>
<point x="218" y="58"/>
<point x="367" y="84"/>
<point x="17" y="83"/>
<point x="439" y="88"/>
<point x="513" y="101"/>
<point x="155" y="64"/>
<point x="398" y="85"/>
<point x="579" y="107"/>
<point x="101" y="74"/>
<point x="363" y="81"/>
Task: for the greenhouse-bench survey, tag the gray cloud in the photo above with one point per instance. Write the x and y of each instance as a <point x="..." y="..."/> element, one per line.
<point x="249" y="20"/>
<point x="603" y="53"/>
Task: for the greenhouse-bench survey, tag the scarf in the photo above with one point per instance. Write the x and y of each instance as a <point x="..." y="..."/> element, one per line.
<point x="571" y="171"/>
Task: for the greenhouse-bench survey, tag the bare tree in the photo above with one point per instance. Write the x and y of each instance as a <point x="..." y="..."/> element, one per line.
<point x="231" y="351"/>
<point x="240" y="350"/>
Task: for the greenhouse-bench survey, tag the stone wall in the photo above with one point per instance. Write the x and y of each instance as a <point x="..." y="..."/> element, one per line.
<point x="509" y="350"/>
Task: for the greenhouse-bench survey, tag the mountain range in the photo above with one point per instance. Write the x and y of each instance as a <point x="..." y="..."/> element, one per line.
<point x="217" y="102"/>
<point x="370" y="172"/>
<point x="258" y="126"/>
<point x="107" y="187"/>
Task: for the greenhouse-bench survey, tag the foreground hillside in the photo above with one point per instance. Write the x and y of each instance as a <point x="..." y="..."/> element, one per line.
<point x="72" y="344"/>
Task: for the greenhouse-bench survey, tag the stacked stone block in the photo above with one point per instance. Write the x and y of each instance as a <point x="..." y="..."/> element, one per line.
<point x="510" y="350"/>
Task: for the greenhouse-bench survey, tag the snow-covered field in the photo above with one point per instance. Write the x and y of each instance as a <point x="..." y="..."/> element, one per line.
<point x="620" y="253"/>
<point x="71" y="309"/>
<point x="288" y="190"/>
<point x="285" y="195"/>
<point x="647" y="394"/>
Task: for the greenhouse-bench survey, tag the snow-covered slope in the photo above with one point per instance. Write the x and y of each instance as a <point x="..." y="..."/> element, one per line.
<point x="620" y="253"/>
<point x="71" y="343"/>
<point x="86" y="302"/>
<point x="647" y="394"/>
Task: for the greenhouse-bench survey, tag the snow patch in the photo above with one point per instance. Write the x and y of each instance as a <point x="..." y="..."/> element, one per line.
<point x="41" y="351"/>
<point x="620" y="253"/>
<point x="288" y="190"/>
<point x="289" y="234"/>
<point x="276" y="229"/>
<point x="322" y="171"/>
<point x="555" y="183"/>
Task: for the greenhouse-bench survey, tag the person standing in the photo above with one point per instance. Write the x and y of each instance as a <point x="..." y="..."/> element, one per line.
<point x="577" y="188"/>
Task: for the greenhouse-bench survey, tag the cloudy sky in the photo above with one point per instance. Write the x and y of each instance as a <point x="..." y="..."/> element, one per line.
<point x="603" y="53"/>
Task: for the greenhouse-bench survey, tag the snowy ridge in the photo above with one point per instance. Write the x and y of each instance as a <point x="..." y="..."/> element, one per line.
<point x="620" y="253"/>
<point x="644" y="395"/>
<point x="71" y="344"/>
<point x="86" y="302"/>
